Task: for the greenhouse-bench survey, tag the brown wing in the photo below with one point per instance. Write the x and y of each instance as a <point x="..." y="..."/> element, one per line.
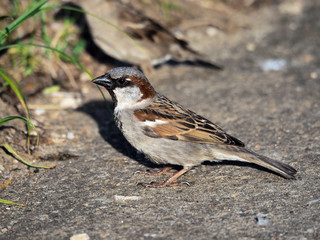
<point x="140" y="26"/>
<point x="182" y="124"/>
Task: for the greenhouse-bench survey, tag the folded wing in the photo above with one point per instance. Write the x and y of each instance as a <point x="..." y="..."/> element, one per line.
<point x="165" y="119"/>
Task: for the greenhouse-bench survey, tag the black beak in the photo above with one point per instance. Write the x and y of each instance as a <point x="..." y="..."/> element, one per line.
<point x="103" y="81"/>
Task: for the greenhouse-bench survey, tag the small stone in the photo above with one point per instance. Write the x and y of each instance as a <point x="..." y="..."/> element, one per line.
<point x="314" y="75"/>
<point x="308" y="58"/>
<point x="262" y="219"/>
<point x="257" y="147"/>
<point x="119" y="198"/>
<point x="70" y="135"/>
<point x="211" y="31"/>
<point x="292" y="7"/>
<point x="43" y="217"/>
<point x="68" y="103"/>
<point x="151" y="235"/>
<point x="310" y="230"/>
<point x="273" y="65"/>
<point x="6" y="176"/>
<point x="66" y="99"/>
<point x="39" y="111"/>
<point x="251" y="47"/>
<point x="80" y="236"/>
<point x="313" y="201"/>
<point x="84" y="77"/>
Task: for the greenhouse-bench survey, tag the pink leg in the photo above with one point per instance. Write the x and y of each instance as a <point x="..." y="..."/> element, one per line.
<point x="170" y="182"/>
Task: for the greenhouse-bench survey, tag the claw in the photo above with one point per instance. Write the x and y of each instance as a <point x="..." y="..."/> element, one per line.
<point x="170" y="182"/>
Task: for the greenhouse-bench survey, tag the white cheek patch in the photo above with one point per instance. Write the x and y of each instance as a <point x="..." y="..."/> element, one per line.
<point x="154" y="123"/>
<point x="127" y="96"/>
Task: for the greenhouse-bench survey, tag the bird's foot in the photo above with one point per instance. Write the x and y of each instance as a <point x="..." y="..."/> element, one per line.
<point x="170" y="182"/>
<point x="164" y="171"/>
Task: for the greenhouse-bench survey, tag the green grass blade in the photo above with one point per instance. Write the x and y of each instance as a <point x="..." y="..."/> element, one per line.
<point x="15" y="86"/>
<point x="34" y="9"/>
<point x="11" y="203"/>
<point x="9" y="118"/>
<point x="7" y="201"/>
<point x="10" y="150"/>
<point x="30" y="124"/>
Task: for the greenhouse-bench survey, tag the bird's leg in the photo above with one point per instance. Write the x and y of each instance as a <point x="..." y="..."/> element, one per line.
<point x="163" y="171"/>
<point x="170" y="182"/>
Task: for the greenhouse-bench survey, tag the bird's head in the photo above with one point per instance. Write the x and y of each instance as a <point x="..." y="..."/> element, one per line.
<point x="127" y="86"/>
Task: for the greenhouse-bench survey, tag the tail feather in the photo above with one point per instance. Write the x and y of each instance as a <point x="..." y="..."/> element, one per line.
<point x="281" y="168"/>
<point x="247" y="155"/>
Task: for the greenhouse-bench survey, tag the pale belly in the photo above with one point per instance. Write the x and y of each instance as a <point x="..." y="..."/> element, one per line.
<point x="165" y="151"/>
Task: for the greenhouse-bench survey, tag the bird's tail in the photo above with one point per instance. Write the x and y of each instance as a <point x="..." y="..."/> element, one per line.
<point x="247" y="155"/>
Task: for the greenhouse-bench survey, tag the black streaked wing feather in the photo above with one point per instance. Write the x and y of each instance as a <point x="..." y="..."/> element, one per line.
<point x="183" y="124"/>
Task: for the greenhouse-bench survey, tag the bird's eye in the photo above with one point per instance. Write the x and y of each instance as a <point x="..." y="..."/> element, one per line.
<point x="122" y="81"/>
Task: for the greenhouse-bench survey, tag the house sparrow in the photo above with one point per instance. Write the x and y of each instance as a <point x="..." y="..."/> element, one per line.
<point x="168" y="133"/>
<point x="128" y="35"/>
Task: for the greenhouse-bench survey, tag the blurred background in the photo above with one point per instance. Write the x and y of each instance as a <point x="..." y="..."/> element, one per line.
<point x="101" y="34"/>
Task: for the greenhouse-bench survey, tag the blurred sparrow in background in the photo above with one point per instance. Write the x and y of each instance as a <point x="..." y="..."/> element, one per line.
<point x="128" y="35"/>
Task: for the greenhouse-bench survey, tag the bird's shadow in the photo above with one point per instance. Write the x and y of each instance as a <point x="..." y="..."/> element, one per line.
<point x="240" y="164"/>
<point x="101" y="112"/>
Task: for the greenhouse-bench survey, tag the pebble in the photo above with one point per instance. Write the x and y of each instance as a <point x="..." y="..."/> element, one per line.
<point x="70" y="135"/>
<point x="6" y="176"/>
<point x="314" y="75"/>
<point x="69" y="103"/>
<point x="151" y="235"/>
<point x="119" y="198"/>
<point x="273" y="65"/>
<point x="313" y="201"/>
<point x="251" y="47"/>
<point x="39" y="111"/>
<point x="262" y="220"/>
<point x="212" y="31"/>
<point x="292" y="7"/>
<point x="80" y="236"/>
<point x="66" y="99"/>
